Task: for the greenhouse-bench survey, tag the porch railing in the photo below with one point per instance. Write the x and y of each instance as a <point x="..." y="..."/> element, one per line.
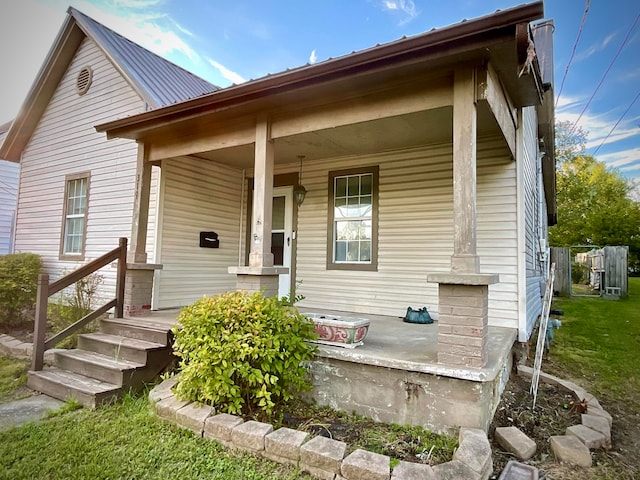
<point x="46" y="289"/>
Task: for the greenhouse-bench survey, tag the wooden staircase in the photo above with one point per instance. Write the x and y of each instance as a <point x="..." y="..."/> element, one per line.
<point x="122" y="357"/>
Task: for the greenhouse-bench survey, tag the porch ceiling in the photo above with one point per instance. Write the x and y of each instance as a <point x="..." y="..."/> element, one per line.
<point x="391" y="133"/>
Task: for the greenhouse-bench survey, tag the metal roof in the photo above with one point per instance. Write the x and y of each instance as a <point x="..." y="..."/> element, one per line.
<point x="159" y="81"/>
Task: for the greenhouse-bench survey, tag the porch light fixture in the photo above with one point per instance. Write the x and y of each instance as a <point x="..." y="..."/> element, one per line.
<point x="299" y="191"/>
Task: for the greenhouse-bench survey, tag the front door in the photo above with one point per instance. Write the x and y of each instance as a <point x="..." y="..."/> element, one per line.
<point x="282" y="234"/>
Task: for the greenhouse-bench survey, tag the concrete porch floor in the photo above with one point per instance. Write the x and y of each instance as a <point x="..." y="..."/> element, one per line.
<point x="392" y="343"/>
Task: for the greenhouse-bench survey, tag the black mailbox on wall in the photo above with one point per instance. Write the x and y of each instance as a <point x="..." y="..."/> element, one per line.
<point x="209" y="240"/>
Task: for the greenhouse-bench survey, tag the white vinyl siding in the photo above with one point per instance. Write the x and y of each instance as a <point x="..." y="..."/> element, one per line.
<point x="534" y="220"/>
<point x="65" y="143"/>
<point x="8" y="193"/>
<point x="197" y="196"/>
<point x="415" y="236"/>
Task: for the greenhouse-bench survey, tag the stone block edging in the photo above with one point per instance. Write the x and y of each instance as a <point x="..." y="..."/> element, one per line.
<point x="593" y="432"/>
<point x="321" y="457"/>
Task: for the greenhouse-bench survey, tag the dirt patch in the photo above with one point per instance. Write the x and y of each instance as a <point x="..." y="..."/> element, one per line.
<point x="408" y="443"/>
<point x="551" y="416"/>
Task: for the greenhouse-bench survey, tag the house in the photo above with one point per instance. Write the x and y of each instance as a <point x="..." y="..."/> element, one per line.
<point x="76" y="188"/>
<point x="424" y="176"/>
<point x="8" y="193"/>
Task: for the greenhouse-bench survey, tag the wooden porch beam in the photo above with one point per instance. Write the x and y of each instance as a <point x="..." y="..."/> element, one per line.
<point x="434" y="93"/>
<point x="491" y="92"/>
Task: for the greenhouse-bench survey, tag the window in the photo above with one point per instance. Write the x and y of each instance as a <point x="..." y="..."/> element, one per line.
<point x="74" y="220"/>
<point x="352" y="233"/>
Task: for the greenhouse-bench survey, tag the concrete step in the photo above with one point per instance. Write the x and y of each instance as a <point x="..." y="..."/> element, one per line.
<point x="64" y="385"/>
<point x="122" y="348"/>
<point x="147" y="330"/>
<point x="101" y="367"/>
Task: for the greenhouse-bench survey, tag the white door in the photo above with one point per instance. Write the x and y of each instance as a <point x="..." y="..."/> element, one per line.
<point x="282" y="234"/>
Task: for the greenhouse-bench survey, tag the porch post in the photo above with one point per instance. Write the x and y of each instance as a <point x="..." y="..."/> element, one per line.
<point x="463" y="293"/>
<point x="139" y="276"/>
<point x="260" y="254"/>
<point x="464" y="259"/>
<point x="261" y="275"/>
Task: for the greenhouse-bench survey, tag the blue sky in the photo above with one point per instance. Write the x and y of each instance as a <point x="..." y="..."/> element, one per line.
<point x="229" y="42"/>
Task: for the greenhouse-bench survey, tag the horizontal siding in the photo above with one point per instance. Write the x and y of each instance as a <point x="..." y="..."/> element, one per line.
<point x="535" y="223"/>
<point x="8" y="193"/>
<point x="197" y="196"/>
<point x="65" y="142"/>
<point x="415" y="233"/>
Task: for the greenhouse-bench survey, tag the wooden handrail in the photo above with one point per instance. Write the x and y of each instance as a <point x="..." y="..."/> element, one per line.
<point x="45" y="290"/>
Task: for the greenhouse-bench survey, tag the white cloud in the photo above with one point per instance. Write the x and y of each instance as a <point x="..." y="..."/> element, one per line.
<point x="137" y="3"/>
<point x="406" y="7"/>
<point x="598" y="47"/>
<point x="624" y="160"/>
<point x="313" y="58"/>
<point x="226" y="73"/>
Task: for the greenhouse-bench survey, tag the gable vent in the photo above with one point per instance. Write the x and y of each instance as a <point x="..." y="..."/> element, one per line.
<point x="83" y="82"/>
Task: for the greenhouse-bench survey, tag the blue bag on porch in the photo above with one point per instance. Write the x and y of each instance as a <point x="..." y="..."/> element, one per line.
<point x="417" y="316"/>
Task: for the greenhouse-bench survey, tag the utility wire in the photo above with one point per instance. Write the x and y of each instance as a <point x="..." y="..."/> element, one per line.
<point x="617" y="123"/>
<point x="622" y="45"/>
<point x="573" y="52"/>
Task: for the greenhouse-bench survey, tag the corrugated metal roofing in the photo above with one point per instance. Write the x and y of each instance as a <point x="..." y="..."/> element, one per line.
<point x="159" y="81"/>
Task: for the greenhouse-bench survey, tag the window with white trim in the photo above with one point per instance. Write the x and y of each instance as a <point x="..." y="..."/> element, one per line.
<point x="352" y="241"/>
<point x="75" y="216"/>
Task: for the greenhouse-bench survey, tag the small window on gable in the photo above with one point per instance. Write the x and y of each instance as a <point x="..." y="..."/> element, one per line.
<point x="83" y="82"/>
<point x="352" y="233"/>
<point x="74" y="220"/>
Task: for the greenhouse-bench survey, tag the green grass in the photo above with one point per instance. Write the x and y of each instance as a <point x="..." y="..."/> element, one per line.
<point x="599" y="342"/>
<point x="123" y="441"/>
<point x="13" y="375"/>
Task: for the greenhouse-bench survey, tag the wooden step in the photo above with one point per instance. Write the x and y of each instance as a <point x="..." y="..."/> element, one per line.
<point x="64" y="385"/>
<point x="122" y="348"/>
<point x="147" y="330"/>
<point x="101" y="367"/>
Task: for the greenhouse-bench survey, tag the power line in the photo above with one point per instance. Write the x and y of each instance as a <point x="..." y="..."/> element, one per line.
<point x="573" y="52"/>
<point x="624" y="42"/>
<point x="617" y="123"/>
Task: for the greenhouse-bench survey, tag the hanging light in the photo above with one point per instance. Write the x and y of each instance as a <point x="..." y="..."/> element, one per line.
<point x="299" y="191"/>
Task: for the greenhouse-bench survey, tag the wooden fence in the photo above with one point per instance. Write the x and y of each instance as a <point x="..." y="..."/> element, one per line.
<point x="613" y="281"/>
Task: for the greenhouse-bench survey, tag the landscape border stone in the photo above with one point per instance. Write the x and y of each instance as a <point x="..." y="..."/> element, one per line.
<point x="320" y="456"/>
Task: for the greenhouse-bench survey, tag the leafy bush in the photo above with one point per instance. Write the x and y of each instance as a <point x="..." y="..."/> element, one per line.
<point x="75" y="302"/>
<point x="18" y="286"/>
<point x="242" y="352"/>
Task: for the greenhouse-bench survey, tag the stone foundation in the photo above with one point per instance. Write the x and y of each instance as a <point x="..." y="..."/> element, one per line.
<point x="438" y="403"/>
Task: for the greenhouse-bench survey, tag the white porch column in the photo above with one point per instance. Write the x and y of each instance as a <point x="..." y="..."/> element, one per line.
<point x="139" y="278"/>
<point x="463" y="294"/>
<point x="261" y="275"/>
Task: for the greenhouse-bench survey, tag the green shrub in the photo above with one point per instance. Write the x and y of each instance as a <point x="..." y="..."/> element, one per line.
<point x="18" y="286"/>
<point x="242" y="352"/>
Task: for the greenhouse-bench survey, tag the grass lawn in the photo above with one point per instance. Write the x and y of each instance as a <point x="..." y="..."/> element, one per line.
<point x="13" y="377"/>
<point x="599" y="342"/>
<point x="123" y="441"/>
<point x="598" y="347"/>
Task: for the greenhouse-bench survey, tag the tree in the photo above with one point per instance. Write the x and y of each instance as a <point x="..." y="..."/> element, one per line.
<point x="570" y="142"/>
<point x="594" y="207"/>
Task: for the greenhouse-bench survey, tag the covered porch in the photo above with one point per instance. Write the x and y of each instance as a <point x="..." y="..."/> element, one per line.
<point x="430" y="128"/>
